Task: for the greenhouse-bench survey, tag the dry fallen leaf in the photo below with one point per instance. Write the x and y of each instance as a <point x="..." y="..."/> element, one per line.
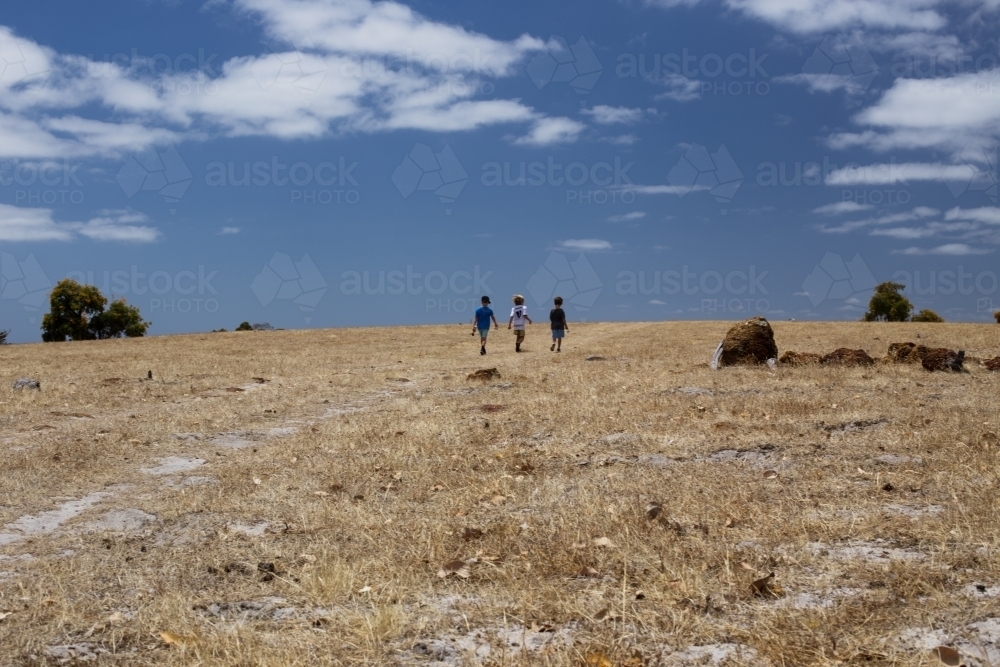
<point x="366" y="589"/>
<point x="498" y="500"/>
<point x="321" y="494"/>
<point x="437" y="487"/>
<point x="48" y="602"/>
<point x="653" y="510"/>
<point x="947" y="655"/>
<point x="602" y="542"/>
<point x="457" y="567"/>
<point x="307" y="558"/>
<point x="598" y="660"/>
<point x="770" y="474"/>
<point x="606" y="614"/>
<point x="5" y="614"/>
<point x="256" y="480"/>
<point x="766" y="587"/>
<point x="116" y="618"/>
<point x="586" y="572"/>
<point x="746" y="566"/>
<point x="171" y="638"/>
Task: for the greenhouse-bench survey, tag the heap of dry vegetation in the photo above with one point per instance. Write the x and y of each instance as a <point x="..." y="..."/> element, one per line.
<point x="352" y="497"/>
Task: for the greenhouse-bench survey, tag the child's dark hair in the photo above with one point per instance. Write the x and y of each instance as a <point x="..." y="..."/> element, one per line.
<point x="557" y="301"/>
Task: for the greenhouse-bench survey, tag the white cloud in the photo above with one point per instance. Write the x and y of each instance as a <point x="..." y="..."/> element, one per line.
<point x="628" y="217"/>
<point x="584" y="245"/>
<point x="989" y="215"/>
<point x="621" y="140"/>
<point x="847" y="206"/>
<point x="657" y="302"/>
<point x="608" y="115"/>
<point x="548" y="131"/>
<point x="903" y="172"/>
<point x="805" y="16"/>
<point x="679" y="88"/>
<point x="37" y="224"/>
<point x="679" y="190"/>
<point x="119" y="226"/>
<point x="825" y="83"/>
<point x="349" y="66"/>
<point x="916" y="213"/>
<point x="31" y="224"/>
<point x="947" y="113"/>
<point x="230" y="230"/>
<point x="955" y="249"/>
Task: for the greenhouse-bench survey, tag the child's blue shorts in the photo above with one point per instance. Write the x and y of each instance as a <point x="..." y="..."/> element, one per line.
<point x="558" y="333"/>
<point x="483" y="333"/>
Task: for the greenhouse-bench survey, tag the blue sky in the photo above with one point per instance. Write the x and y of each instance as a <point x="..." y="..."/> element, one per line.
<point x="338" y="163"/>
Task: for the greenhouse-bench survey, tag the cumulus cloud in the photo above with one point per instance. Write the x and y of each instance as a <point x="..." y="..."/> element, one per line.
<point x="608" y="115"/>
<point x="585" y="245"/>
<point x="38" y="224"/>
<point x="548" y="131"/>
<point x="628" y="217"/>
<point x="989" y="215"/>
<point x="679" y="88"/>
<point x="954" y="249"/>
<point x="947" y="113"/>
<point x="840" y="207"/>
<point x="355" y="66"/>
<point x="894" y="173"/>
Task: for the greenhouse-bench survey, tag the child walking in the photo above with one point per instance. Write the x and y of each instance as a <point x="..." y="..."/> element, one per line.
<point x="518" y="316"/>
<point x="557" y="317"/>
<point x="481" y="321"/>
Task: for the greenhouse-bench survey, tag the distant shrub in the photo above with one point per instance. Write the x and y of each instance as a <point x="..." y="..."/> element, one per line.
<point x="218" y="331"/>
<point x="3" y="336"/>
<point x="244" y="326"/>
<point x="888" y="305"/>
<point x="77" y="312"/>
<point x="263" y="326"/>
<point x="996" y="316"/>
<point x="926" y="315"/>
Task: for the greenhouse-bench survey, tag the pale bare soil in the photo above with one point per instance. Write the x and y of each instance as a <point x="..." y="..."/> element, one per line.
<point x="363" y="460"/>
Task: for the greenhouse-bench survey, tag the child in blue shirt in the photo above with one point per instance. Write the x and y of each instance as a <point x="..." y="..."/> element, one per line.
<point x="482" y="322"/>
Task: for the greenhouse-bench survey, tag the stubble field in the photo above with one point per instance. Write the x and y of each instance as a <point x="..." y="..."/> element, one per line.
<point x="349" y="497"/>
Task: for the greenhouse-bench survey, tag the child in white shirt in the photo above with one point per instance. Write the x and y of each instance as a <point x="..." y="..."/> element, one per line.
<point x="518" y="316"/>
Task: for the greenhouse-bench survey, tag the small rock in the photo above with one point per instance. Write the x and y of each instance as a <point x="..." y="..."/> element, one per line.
<point x="593" y="357"/>
<point x="484" y="374"/>
<point x="27" y="383"/>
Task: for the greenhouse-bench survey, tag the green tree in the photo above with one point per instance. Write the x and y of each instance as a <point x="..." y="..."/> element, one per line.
<point x="120" y="319"/>
<point x="926" y="315"/>
<point x="76" y="312"/>
<point x="888" y="305"/>
<point x="244" y="326"/>
<point x="71" y="307"/>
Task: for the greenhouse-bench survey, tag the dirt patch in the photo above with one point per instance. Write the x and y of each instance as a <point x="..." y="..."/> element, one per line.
<point x="485" y="374"/>
<point x="174" y="464"/>
<point x="877" y="551"/>
<point x="855" y="425"/>
<point x="978" y="643"/>
<point x="47" y="522"/>
<point x="122" y="521"/>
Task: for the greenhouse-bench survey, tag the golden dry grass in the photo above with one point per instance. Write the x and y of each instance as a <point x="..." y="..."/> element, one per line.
<point x="367" y="461"/>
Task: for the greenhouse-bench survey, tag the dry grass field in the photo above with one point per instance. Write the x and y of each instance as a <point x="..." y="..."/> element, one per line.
<point x="302" y="497"/>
